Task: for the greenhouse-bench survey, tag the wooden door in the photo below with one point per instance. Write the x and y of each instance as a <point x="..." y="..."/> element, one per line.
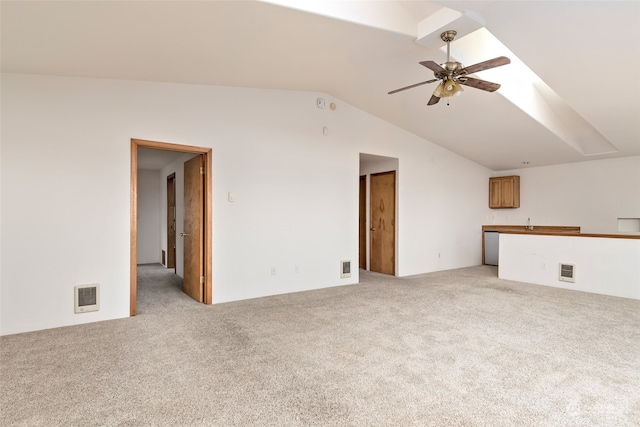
<point x="362" y="223"/>
<point x="171" y="221"/>
<point x="383" y="223"/>
<point x="193" y="232"/>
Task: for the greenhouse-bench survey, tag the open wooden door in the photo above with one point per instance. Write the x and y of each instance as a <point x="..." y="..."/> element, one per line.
<point x="193" y="231"/>
<point x="383" y="223"/>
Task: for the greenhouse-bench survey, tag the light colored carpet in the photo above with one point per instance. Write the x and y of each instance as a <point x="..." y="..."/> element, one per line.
<point x="454" y="348"/>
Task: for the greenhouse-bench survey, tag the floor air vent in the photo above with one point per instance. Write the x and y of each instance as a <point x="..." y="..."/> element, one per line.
<point x="567" y="273"/>
<point x="87" y="298"/>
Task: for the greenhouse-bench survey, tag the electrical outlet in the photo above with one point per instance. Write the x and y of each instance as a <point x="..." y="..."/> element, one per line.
<point x="296" y="269"/>
<point x="273" y="271"/>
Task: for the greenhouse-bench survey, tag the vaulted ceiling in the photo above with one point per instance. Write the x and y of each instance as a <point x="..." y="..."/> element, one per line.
<point x="586" y="53"/>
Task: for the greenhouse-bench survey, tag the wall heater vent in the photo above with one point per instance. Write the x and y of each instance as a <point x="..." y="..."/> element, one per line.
<point x="87" y="298"/>
<point x="567" y="273"/>
<point x="345" y="268"/>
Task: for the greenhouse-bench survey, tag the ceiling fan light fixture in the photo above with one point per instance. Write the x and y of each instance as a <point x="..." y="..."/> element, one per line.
<point x="440" y="91"/>
<point x="448" y="88"/>
<point x="454" y="88"/>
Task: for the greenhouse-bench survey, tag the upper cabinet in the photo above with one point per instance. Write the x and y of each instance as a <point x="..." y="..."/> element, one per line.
<point x="504" y="192"/>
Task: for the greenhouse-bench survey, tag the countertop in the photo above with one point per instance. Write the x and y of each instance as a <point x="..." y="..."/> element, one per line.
<point x="549" y="230"/>
<point x="553" y="230"/>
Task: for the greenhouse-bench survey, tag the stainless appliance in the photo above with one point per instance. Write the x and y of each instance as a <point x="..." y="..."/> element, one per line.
<point x="491" y="247"/>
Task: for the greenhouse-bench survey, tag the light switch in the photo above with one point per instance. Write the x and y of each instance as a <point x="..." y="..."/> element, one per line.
<point x="232" y="197"/>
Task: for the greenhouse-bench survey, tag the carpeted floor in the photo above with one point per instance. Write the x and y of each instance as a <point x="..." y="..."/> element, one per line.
<point x="454" y="348"/>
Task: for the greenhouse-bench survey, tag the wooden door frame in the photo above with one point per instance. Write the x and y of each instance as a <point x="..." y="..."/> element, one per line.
<point x="362" y="214"/>
<point x="171" y="251"/>
<point x="207" y="154"/>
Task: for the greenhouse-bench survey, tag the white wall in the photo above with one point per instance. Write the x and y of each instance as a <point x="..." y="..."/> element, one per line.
<point x="296" y="191"/>
<point x="442" y="206"/>
<point x="592" y="195"/>
<point x="602" y="265"/>
<point x="149" y="225"/>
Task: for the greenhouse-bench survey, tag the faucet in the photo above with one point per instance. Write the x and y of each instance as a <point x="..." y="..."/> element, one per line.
<point x="529" y="226"/>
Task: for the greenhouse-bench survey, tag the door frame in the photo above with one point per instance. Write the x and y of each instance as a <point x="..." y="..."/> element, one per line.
<point x="171" y="213"/>
<point x="362" y="223"/>
<point x="207" y="223"/>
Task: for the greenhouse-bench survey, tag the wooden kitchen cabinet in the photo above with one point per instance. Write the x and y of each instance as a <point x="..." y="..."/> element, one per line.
<point x="504" y="192"/>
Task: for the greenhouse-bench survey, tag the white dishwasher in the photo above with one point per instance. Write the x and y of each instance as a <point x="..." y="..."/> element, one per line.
<point x="491" y="247"/>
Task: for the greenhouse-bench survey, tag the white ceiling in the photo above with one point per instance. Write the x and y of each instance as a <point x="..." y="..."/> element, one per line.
<point x="588" y="52"/>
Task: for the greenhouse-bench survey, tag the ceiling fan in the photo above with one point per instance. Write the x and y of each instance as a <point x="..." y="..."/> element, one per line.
<point x="452" y="74"/>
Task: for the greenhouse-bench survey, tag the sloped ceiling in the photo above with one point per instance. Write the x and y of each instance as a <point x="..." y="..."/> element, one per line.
<point x="588" y="53"/>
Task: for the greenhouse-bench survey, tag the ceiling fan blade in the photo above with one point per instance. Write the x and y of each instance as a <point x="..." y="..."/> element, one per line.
<point x="434" y="100"/>
<point x="412" y="86"/>
<point x="433" y="66"/>
<point x="479" y="84"/>
<point x="481" y="66"/>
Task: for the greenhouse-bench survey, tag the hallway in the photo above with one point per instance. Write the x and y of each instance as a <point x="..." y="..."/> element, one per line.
<point x="159" y="289"/>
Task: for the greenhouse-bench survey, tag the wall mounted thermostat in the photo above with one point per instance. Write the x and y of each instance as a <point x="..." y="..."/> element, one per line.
<point x="320" y="102"/>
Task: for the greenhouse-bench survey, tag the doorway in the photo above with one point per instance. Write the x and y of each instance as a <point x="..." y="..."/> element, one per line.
<point x="204" y="264"/>
<point x="378" y="210"/>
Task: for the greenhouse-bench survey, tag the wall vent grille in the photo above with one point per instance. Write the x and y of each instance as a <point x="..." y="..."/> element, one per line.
<point x="567" y="273"/>
<point x="345" y="268"/>
<point x="87" y="298"/>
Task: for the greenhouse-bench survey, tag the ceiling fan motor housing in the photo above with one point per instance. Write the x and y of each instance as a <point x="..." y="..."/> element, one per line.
<point x="452" y="66"/>
<point x="448" y="36"/>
